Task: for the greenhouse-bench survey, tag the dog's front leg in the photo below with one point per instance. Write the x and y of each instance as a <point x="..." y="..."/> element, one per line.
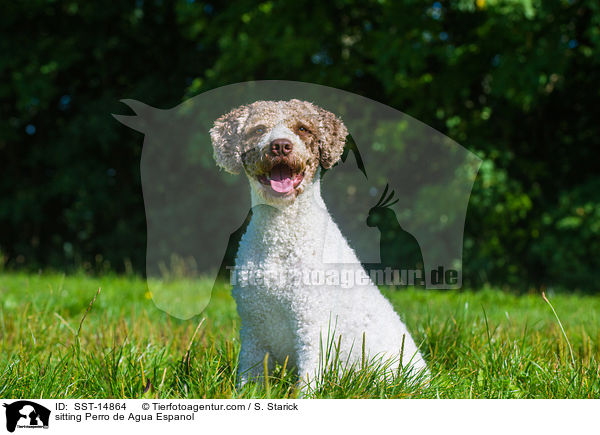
<point x="307" y="360"/>
<point x="252" y="357"/>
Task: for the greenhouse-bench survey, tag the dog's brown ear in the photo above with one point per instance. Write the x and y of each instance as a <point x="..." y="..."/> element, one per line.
<point x="332" y="140"/>
<point x="226" y="139"/>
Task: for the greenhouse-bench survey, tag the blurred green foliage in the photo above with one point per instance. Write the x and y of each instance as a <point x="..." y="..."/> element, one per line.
<point x="515" y="81"/>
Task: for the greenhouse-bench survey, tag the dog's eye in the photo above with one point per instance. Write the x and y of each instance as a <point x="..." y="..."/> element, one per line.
<point x="303" y="129"/>
<point x="258" y="130"/>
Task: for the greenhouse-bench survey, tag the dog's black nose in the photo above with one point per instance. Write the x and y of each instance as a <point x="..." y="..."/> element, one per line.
<point x="281" y="147"/>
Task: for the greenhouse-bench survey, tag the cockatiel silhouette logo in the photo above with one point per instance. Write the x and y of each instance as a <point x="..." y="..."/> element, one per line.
<point x="195" y="212"/>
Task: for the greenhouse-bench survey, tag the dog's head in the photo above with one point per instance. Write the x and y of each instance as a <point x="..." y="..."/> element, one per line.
<point x="279" y="145"/>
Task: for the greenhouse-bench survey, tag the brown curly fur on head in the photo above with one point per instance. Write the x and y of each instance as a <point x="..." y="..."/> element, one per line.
<point x="334" y="133"/>
<point x="234" y="135"/>
<point x="226" y="139"/>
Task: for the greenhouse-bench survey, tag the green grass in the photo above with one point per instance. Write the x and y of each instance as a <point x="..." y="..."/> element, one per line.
<point x="486" y="344"/>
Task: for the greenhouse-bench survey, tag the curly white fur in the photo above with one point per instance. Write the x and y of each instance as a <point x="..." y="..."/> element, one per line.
<point x="292" y="237"/>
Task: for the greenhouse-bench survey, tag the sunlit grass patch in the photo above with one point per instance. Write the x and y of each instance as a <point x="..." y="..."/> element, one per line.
<point x="486" y="344"/>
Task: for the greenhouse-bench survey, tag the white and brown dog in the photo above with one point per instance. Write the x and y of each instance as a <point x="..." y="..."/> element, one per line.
<point x="281" y="145"/>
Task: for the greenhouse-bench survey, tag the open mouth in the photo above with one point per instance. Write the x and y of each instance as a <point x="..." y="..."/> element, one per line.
<point x="282" y="179"/>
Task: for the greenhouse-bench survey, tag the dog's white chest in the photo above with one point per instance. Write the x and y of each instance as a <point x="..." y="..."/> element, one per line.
<point x="276" y="254"/>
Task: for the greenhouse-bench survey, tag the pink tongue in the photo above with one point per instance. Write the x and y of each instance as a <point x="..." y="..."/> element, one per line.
<point x="281" y="179"/>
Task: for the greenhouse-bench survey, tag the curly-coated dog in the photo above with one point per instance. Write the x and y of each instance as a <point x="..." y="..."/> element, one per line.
<point x="289" y="263"/>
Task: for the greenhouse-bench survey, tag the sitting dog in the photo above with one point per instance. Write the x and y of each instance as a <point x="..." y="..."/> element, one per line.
<point x="291" y="239"/>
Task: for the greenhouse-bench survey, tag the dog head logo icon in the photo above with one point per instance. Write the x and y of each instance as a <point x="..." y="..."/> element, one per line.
<point x="26" y="414"/>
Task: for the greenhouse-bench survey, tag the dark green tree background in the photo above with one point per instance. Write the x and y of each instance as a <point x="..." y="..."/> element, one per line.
<point x="515" y="81"/>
